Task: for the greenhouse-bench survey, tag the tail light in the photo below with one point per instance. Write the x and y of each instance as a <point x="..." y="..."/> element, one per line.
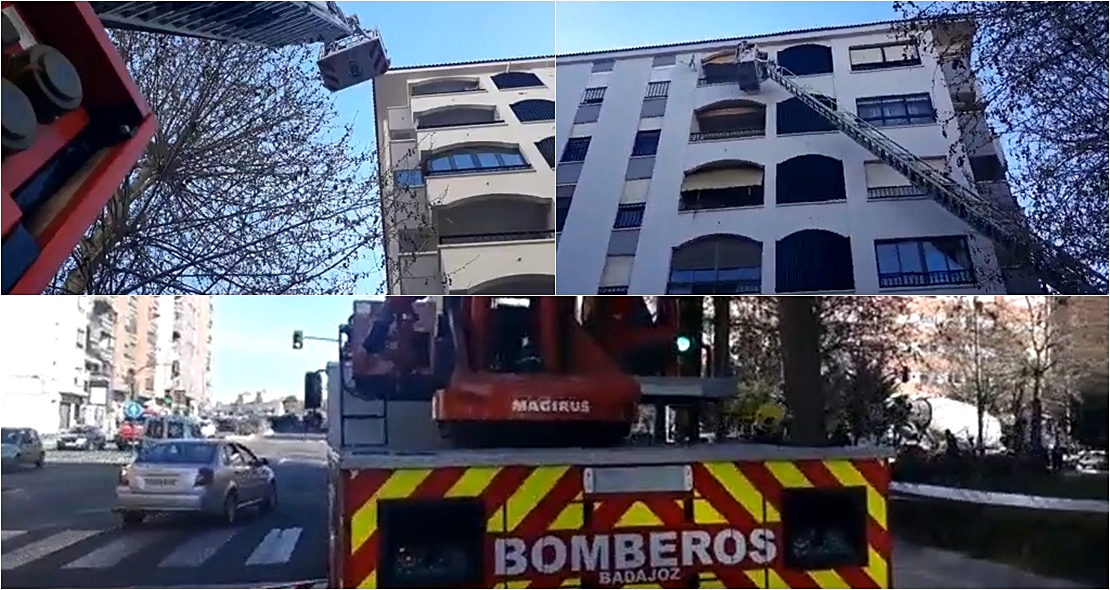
<point x="122" y="481"/>
<point x="205" y="476"/>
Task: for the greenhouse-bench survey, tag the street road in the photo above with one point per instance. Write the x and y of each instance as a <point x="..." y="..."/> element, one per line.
<point x="58" y="530"/>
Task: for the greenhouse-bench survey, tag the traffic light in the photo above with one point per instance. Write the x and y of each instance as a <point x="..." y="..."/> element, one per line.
<point x="298" y="339"/>
<point x="313" y="390"/>
<point x="167" y="400"/>
<point x="683" y="344"/>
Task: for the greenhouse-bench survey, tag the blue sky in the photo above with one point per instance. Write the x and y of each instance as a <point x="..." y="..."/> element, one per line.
<point x="426" y="33"/>
<point x="595" y="26"/>
<point x="252" y="341"/>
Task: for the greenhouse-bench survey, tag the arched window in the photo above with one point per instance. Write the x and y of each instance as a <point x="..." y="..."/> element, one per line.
<point x="811" y="178"/>
<point x="806" y="60"/>
<point x="722" y="185"/>
<point x="730" y="119"/>
<point x="444" y="87"/>
<point x="474" y="159"/>
<point x="536" y="109"/>
<point x="814" y="260"/>
<point x="506" y="80"/>
<point x="721" y="264"/>
<point x="793" y="116"/>
<point x="547" y="150"/>
<point x="459" y="116"/>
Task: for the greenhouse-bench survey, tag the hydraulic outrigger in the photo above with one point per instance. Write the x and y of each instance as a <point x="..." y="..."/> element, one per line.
<point x="1008" y="229"/>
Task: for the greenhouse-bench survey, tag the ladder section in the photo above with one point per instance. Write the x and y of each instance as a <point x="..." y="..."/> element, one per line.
<point x="268" y="24"/>
<point x="1055" y="268"/>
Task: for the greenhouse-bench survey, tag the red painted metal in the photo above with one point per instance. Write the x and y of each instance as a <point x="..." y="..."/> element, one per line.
<point x="74" y="29"/>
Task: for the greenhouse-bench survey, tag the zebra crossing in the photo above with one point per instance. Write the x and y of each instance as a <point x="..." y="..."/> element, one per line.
<point x="53" y="558"/>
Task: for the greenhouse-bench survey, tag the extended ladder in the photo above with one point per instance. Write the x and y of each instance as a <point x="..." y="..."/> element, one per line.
<point x="1057" y="269"/>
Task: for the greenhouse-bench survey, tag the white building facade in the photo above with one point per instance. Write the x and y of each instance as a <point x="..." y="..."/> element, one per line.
<point x="467" y="157"/>
<point x="44" y="379"/>
<point x="184" y="350"/>
<point x="671" y="179"/>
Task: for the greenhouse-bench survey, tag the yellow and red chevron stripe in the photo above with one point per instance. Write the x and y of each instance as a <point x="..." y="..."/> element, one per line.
<point x="529" y="502"/>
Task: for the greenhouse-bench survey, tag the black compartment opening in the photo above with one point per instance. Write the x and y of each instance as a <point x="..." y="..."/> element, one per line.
<point x="824" y="528"/>
<point x="431" y="543"/>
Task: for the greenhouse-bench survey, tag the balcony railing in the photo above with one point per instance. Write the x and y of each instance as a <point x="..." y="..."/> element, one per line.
<point x="720" y="198"/>
<point x="450" y="124"/>
<point x="486" y="238"/>
<point x="895" y="192"/>
<point x="926" y="279"/>
<point x="738" y="133"/>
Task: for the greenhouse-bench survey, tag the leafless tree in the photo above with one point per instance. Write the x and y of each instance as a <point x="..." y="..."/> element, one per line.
<point x="248" y="186"/>
<point x="1042" y="70"/>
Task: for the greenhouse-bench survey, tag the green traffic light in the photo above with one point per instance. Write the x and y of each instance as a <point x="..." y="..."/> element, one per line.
<point x="683" y="344"/>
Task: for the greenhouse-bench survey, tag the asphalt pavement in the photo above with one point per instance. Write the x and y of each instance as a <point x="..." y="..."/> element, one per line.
<point x="59" y="531"/>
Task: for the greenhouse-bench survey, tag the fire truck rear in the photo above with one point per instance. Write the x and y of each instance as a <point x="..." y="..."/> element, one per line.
<point x="479" y="442"/>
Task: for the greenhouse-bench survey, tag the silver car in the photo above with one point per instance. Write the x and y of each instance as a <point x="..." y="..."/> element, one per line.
<point x="210" y="477"/>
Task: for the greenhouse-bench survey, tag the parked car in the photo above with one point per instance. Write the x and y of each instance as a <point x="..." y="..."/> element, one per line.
<point x="208" y="477"/>
<point x="130" y="434"/>
<point x="22" y="447"/>
<point x="82" y="438"/>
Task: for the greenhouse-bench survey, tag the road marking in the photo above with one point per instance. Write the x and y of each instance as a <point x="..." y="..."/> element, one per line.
<point x="199" y="549"/>
<point x="111" y="554"/>
<point x="39" y="549"/>
<point x="11" y="535"/>
<point x="276" y="548"/>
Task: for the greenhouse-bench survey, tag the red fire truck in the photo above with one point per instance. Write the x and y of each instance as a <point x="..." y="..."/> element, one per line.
<point x="480" y="442"/>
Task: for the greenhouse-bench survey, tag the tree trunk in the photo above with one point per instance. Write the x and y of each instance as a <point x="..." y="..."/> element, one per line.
<point x="800" y="331"/>
<point x="1036" y="424"/>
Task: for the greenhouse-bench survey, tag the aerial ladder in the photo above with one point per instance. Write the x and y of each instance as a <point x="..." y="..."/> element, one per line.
<point x="75" y="123"/>
<point x="1008" y="229"/>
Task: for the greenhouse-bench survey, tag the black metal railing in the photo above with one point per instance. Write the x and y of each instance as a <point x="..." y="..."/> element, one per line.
<point x="927" y="279"/>
<point x="896" y="192"/>
<point x="486" y="238"/>
<point x="487" y="170"/>
<point x="615" y="290"/>
<point x="718" y="80"/>
<point x="720" y="198"/>
<point x="738" y="133"/>
<point x="449" y="124"/>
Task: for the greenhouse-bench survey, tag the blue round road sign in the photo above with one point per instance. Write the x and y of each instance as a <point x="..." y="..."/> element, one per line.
<point x="132" y="410"/>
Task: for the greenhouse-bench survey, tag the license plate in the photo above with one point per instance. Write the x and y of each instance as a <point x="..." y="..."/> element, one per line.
<point x="160" y="482"/>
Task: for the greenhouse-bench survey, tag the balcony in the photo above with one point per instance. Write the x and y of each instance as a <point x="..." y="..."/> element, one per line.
<point x="519" y="267"/>
<point x="926" y="279"/>
<point x="730" y="119"/>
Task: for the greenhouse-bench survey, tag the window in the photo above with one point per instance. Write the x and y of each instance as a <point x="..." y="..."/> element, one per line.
<point x="457" y="117"/>
<point x="811" y="178"/>
<point x="629" y="216"/>
<point x="485" y="159"/>
<point x="730" y="120"/>
<point x="794" y="116"/>
<point x="605" y="65"/>
<point x="576" y="149"/>
<point x="877" y="57"/>
<point x="658" y="89"/>
<point x="507" y="80"/>
<point x="807" y="60"/>
<point x="721" y="264"/>
<point x="646" y="143"/>
<point x="814" y="260"/>
<point x="891" y="111"/>
<point x="562" y="207"/>
<point x="593" y="95"/>
<point x="408" y="178"/>
<point x="662" y="61"/>
<point x="924" y="262"/>
<point x="445" y="87"/>
<point x="529" y="111"/>
<point x="547" y="150"/>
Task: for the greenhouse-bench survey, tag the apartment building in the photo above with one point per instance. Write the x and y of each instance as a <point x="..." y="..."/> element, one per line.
<point x="100" y="348"/>
<point x="135" y="359"/>
<point x="44" y="376"/>
<point x="467" y="158"/>
<point x="673" y="179"/>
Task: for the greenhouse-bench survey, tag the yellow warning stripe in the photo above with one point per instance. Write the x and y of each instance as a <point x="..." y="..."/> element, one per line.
<point x="789" y="476"/>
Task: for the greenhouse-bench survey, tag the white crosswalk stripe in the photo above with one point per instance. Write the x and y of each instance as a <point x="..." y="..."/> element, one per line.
<point x="276" y="548"/>
<point x="111" y="554"/>
<point x="39" y="549"/>
<point x="199" y="549"/>
<point x="118" y="546"/>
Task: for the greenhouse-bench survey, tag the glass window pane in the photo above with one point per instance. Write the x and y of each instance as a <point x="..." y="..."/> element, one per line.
<point x="440" y="164"/>
<point x="894" y="109"/>
<point x="909" y="256"/>
<point x="870" y="111"/>
<point x="512" y="159"/>
<point x="463" y="161"/>
<point x="919" y="106"/>
<point x="705" y="276"/>
<point x="682" y="276"/>
<point x="489" y="160"/>
<point x="887" y="255"/>
<point x="674" y="289"/>
<point x="921" y="120"/>
<point x="935" y="260"/>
